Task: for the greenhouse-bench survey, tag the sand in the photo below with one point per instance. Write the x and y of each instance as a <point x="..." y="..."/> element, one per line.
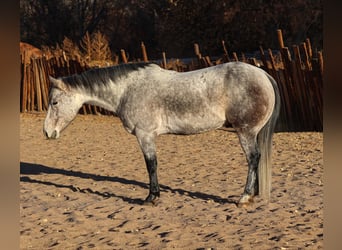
<point x="85" y="191"/>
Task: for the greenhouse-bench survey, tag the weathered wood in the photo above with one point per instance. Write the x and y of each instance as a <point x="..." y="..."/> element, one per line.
<point x="263" y="58"/>
<point x="123" y="56"/>
<point x="36" y="81"/>
<point x="43" y="84"/>
<point x="144" y="53"/>
<point x="225" y="52"/>
<point x="197" y="51"/>
<point x="280" y="38"/>
<point x="236" y="59"/>
<point x="164" y="60"/>
<point x="308" y="46"/>
<point x="208" y="61"/>
<point x="320" y="62"/>
<point x="253" y="61"/>
<point x="23" y="83"/>
<point x="270" y="54"/>
<point x="300" y="84"/>
<point x="306" y="58"/>
<point x="243" y="58"/>
<point x="32" y="94"/>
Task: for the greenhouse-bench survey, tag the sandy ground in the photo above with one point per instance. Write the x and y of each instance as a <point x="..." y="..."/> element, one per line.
<point x="85" y="191"/>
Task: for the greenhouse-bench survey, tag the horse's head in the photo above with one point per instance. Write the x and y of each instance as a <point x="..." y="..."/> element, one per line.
<point x="64" y="104"/>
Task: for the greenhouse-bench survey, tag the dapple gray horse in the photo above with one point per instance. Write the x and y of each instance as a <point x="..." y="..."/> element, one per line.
<point x="151" y="101"/>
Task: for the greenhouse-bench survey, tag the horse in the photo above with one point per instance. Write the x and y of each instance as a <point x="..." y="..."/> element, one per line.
<point x="151" y="101"/>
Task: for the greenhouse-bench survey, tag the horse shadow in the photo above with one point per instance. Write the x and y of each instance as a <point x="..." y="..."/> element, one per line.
<point x="31" y="169"/>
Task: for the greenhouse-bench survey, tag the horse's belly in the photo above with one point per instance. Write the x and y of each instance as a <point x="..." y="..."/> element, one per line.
<point x="193" y="124"/>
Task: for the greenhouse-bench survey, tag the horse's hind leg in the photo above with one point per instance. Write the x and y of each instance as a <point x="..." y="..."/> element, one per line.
<point x="248" y="141"/>
<point x="147" y="145"/>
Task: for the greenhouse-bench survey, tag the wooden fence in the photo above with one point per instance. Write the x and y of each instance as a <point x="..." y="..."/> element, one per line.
<point x="300" y="79"/>
<point x="299" y="74"/>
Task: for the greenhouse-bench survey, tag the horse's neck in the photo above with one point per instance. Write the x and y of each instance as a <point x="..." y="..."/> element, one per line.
<point x="107" y="97"/>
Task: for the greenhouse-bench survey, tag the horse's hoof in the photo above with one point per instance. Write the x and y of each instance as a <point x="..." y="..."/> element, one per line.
<point x="152" y="199"/>
<point x="153" y="202"/>
<point x="245" y="201"/>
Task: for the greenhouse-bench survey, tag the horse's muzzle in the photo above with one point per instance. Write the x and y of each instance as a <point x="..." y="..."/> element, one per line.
<point x="53" y="135"/>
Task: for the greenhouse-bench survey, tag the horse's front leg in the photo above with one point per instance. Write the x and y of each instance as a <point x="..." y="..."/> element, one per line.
<point x="154" y="194"/>
<point x="147" y="145"/>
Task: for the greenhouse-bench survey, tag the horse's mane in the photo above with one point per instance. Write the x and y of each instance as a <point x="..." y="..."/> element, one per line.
<point x="101" y="76"/>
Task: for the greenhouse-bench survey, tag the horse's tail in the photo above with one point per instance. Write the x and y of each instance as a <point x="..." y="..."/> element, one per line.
<point x="265" y="146"/>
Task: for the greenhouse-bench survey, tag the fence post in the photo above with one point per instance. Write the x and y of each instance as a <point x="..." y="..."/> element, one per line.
<point x="226" y="55"/>
<point x="320" y="62"/>
<point x="164" y="60"/>
<point x="280" y="38"/>
<point x="43" y="81"/>
<point x="306" y="55"/>
<point x="263" y="59"/>
<point x="236" y="59"/>
<point x="23" y="82"/>
<point x="197" y="51"/>
<point x="144" y="53"/>
<point x="123" y="55"/>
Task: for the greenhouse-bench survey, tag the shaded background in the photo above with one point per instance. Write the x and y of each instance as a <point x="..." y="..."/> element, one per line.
<point x="173" y="26"/>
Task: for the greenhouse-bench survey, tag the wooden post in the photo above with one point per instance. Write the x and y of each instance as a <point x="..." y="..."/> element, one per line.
<point x="286" y="56"/>
<point x="197" y="51"/>
<point x="308" y="46"/>
<point x="43" y="84"/>
<point x="306" y="56"/>
<point x="208" y="61"/>
<point x="299" y="86"/>
<point x="95" y="110"/>
<point x="288" y="86"/>
<point x="144" y="53"/>
<point x="23" y="83"/>
<point x="226" y="56"/>
<point x="29" y="86"/>
<point x="320" y="61"/>
<point x="116" y="60"/>
<point x="253" y="61"/>
<point x="236" y="59"/>
<point x="164" y="60"/>
<point x="263" y="58"/>
<point x="272" y="59"/>
<point x="280" y="38"/>
<point x="243" y="57"/>
<point x="84" y="109"/>
<point x="202" y="63"/>
<point x="37" y="84"/>
<point x="297" y="57"/>
<point x="123" y="55"/>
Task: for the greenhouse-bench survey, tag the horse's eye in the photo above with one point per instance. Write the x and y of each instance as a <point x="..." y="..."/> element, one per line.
<point x="54" y="103"/>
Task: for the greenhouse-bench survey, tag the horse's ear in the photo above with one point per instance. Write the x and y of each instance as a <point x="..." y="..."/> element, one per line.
<point x="57" y="83"/>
